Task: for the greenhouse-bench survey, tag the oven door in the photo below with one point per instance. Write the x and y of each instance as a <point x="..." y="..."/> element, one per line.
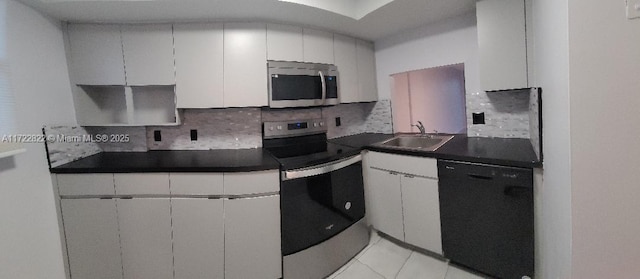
<point x="320" y="202"/>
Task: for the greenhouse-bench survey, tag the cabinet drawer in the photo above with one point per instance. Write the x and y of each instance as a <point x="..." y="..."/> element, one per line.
<point x="244" y="183"/>
<point x="427" y="167"/>
<point x="85" y="184"/>
<point x="196" y="183"/>
<point x="141" y="183"/>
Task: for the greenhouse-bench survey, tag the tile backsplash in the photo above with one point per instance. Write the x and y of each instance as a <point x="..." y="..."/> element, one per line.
<point x="506" y="114"/>
<point x="231" y="128"/>
<point x="69" y="144"/>
<point x="228" y="128"/>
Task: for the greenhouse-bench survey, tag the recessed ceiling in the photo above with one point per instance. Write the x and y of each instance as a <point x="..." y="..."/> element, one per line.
<point x="367" y="19"/>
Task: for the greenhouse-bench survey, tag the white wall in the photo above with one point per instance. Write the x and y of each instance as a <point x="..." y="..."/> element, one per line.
<point x="452" y="41"/>
<point x="553" y="198"/>
<point x="29" y="234"/>
<point x="605" y="139"/>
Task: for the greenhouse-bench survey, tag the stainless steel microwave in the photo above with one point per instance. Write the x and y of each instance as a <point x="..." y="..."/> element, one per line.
<point x="296" y="84"/>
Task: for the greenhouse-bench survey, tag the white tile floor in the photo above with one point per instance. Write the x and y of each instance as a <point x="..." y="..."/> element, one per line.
<point x="383" y="259"/>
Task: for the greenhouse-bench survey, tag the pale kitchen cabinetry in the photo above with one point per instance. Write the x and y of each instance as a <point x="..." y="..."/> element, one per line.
<point x="145" y="236"/>
<point x="383" y="198"/>
<point x="502" y="44"/>
<point x="284" y="43"/>
<point x="161" y="225"/>
<point x="252" y="238"/>
<point x="198" y="225"/>
<point x="93" y="241"/>
<point x="403" y="199"/>
<point x="344" y="49"/>
<point x="96" y="56"/>
<point x="421" y="211"/>
<point x="148" y="54"/>
<point x="199" y="65"/>
<point x="245" y="65"/>
<point x="367" y="86"/>
<point x="318" y="46"/>
<point x="198" y="237"/>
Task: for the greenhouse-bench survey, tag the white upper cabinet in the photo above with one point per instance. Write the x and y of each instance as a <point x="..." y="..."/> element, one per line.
<point x="148" y="54"/>
<point x="96" y="54"/>
<point x="245" y="65"/>
<point x="199" y="65"/>
<point x="284" y="42"/>
<point x="502" y="44"/>
<point x="344" y="49"/>
<point x="367" y="86"/>
<point x="318" y="46"/>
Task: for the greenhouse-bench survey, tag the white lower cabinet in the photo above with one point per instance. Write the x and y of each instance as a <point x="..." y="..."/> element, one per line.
<point x="93" y="244"/>
<point x="145" y="237"/>
<point x="421" y="211"/>
<point x="384" y="202"/>
<point x="198" y="237"/>
<point x="403" y="200"/>
<point x="252" y="238"/>
<point x="177" y="225"/>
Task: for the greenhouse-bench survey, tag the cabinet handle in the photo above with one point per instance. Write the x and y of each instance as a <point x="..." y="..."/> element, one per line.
<point x="393" y="173"/>
<point x="409" y="176"/>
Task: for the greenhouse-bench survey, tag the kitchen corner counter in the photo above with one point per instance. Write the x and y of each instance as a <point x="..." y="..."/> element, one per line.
<point x="224" y="160"/>
<point x="499" y="151"/>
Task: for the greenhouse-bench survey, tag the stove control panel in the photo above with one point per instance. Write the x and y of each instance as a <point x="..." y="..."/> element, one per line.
<point x="293" y="128"/>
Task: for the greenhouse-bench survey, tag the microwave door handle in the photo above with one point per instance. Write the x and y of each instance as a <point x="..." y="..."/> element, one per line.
<point x="324" y="87"/>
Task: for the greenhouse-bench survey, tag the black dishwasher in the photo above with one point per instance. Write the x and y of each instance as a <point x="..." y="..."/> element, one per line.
<point x="486" y="215"/>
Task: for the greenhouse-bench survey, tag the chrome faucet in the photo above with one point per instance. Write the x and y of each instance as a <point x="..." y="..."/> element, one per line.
<point x="420" y="127"/>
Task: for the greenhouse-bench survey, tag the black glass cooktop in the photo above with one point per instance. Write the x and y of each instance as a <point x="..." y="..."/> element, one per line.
<point x="306" y="151"/>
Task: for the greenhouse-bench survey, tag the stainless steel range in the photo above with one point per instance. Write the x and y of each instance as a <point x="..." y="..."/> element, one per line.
<point x="321" y="198"/>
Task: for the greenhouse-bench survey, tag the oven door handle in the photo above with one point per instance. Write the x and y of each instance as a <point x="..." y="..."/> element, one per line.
<point x="320" y="169"/>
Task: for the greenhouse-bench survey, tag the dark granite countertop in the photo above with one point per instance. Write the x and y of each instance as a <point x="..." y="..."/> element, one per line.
<point x="226" y="160"/>
<point x="499" y="151"/>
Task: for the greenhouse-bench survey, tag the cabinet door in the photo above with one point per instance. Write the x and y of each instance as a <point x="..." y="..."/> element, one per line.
<point x="245" y="65"/>
<point x="85" y="184"/>
<point x="367" y="86"/>
<point x="256" y="182"/>
<point x="199" y="65"/>
<point x="198" y="238"/>
<point x="93" y="244"/>
<point x="252" y="238"/>
<point x="148" y="54"/>
<point x="284" y="42"/>
<point x="344" y="49"/>
<point x="141" y="183"/>
<point x="196" y="183"/>
<point x="145" y="236"/>
<point x="421" y="211"/>
<point x="96" y="54"/>
<point x="502" y="44"/>
<point x="318" y="46"/>
<point x="384" y="202"/>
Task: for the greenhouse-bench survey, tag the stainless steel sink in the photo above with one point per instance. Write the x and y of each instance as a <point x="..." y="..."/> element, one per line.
<point x="418" y="142"/>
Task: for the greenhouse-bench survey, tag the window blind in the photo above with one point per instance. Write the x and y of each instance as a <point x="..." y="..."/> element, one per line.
<point x="7" y="113"/>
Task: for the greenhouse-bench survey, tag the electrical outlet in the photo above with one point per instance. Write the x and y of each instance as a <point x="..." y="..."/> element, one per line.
<point x="194" y="135"/>
<point x="157" y="135"/>
<point x="633" y="9"/>
<point x="478" y="118"/>
<point x="338" y="121"/>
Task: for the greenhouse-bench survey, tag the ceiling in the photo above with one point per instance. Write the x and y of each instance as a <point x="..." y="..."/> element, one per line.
<point x="389" y="18"/>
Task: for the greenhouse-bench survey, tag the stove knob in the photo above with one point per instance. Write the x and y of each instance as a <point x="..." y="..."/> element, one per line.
<point x="271" y="128"/>
<point x="347" y="205"/>
<point x="279" y="127"/>
<point x="321" y="124"/>
<point x="315" y="124"/>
